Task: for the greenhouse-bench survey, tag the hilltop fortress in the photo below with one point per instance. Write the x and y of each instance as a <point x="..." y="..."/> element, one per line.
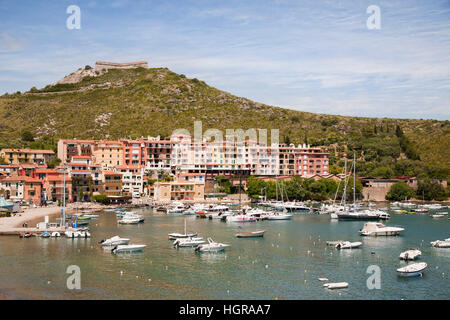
<point x="102" y="65"/>
<point x="100" y="68"/>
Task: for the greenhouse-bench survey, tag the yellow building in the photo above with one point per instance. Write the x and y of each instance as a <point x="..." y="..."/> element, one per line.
<point x="173" y="190"/>
<point x="108" y="154"/>
<point x="16" y="156"/>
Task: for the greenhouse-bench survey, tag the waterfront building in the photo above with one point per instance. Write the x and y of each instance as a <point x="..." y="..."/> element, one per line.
<point x="132" y="178"/>
<point x="22" y="188"/>
<point x="112" y="183"/>
<point x="86" y="178"/>
<point x="108" y="154"/>
<point x="68" y="148"/>
<point x="175" y="190"/>
<point x="18" y="156"/>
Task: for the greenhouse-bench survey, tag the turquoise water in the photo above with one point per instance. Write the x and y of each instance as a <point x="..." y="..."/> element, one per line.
<point x="285" y="264"/>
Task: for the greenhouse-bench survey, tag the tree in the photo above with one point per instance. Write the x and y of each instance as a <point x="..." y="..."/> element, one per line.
<point x="400" y="191"/>
<point x="53" y="163"/>
<point x="102" y="198"/>
<point x="27" y="136"/>
<point x="429" y="189"/>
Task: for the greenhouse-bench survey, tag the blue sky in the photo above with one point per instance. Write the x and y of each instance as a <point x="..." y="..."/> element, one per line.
<point x="315" y="56"/>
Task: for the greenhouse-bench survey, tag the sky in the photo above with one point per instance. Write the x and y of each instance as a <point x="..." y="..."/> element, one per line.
<point x="315" y="56"/>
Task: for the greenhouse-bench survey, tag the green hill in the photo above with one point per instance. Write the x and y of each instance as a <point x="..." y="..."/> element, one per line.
<point x="141" y="102"/>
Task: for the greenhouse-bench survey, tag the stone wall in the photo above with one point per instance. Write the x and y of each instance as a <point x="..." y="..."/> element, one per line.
<point x="103" y="65"/>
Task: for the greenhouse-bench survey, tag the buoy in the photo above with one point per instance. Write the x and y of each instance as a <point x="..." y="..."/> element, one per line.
<point x="267" y="266"/>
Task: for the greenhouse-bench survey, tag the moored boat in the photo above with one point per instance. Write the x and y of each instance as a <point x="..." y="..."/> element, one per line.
<point x="412" y="270"/>
<point x="410" y="254"/>
<point x="211" y="246"/>
<point x="128" y="248"/>
<point x="348" y="245"/>
<point x="252" y="234"/>
<point x="188" y="242"/>
<point x="379" y="229"/>
<point x="114" y="241"/>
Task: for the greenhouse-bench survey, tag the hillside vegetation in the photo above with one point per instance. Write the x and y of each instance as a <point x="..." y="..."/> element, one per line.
<point x="140" y="102"/>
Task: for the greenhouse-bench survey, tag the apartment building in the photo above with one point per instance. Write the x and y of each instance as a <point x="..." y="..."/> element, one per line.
<point x="86" y="178"/>
<point x="22" y="188"/>
<point x="112" y="183"/>
<point x="174" y="190"/>
<point x="18" y="156"/>
<point x="68" y="148"/>
<point x="108" y="154"/>
<point x="132" y="179"/>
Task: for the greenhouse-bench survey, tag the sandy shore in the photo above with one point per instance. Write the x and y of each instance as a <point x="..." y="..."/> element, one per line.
<point x="30" y="216"/>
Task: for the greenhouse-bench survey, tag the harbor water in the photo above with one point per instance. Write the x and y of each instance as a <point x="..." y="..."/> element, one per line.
<point x="284" y="264"/>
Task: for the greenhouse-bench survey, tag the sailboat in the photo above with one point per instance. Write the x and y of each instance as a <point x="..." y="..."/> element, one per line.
<point x="173" y="236"/>
<point x="355" y="213"/>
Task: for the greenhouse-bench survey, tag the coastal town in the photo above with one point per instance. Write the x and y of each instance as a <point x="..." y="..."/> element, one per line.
<point x="163" y="169"/>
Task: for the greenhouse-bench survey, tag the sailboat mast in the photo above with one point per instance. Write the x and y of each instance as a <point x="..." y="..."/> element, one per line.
<point x="354" y="178"/>
<point x="344" y="196"/>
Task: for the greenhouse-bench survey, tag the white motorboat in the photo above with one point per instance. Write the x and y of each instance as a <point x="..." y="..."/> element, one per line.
<point x="379" y="229"/>
<point x="437" y="215"/>
<point x="114" y="241"/>
<point x="336" y="285"/>
<point x="348" y="245"/>
<point x="384" y="215"/>
<point x="252" y="234"/>
<point x="72" y="234"/>
<point x="128" y="248"/>
<point x="279" y="216"/>
<point x="84" y="234"/>
<point x="410" y="254"/>
<point x="56" y="234"/>
<point x="188" y="242"/>
<point x="129" y="220"/>
<point x="211" y="246"/>
<point x="412" y="270"/>
<point x="90" y="215"/>
<point x="240" y="218"/>
<point x="132" y="215"/>
<point x="441" y="243"/>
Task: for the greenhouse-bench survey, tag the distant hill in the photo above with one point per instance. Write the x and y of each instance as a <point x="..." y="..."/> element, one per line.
<point x="154" y="101"/>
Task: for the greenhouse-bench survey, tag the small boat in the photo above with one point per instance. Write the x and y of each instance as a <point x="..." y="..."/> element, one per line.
<point x="252" y="234"/>
<point x="441" y="243"/>
<point x="114" y="241"/>
<point x="128" y="248"/>
<point x="174" y="236"/>
<point x="211" y="246"/>
<point x="84" y="234"/>
<point x="410" y="254"/>
<point x="25" y="235"/>
<point x="240" y="218"/>
<point x="129" y="220"/>
<point x="45" y="234"/>
<point x="379" y="229"/>
<point x="336" y="285"/>
<point x="72" y="234"/>
<point x="279" y="216"/>
<point x="384" y="215"/>
<point x="56" y="234"/>
<point x="437" y="215"/>
<point x="188" y="242"/>
<point x="348" y="245"/>
<point x="90" y="215"/>
<point x="412" y="270"/>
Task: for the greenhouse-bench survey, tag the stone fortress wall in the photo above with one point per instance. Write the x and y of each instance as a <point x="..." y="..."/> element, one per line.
<point x="103" y="65"/>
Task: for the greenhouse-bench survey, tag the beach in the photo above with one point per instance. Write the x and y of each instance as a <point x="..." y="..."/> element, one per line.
<point x="30" y="216"/>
